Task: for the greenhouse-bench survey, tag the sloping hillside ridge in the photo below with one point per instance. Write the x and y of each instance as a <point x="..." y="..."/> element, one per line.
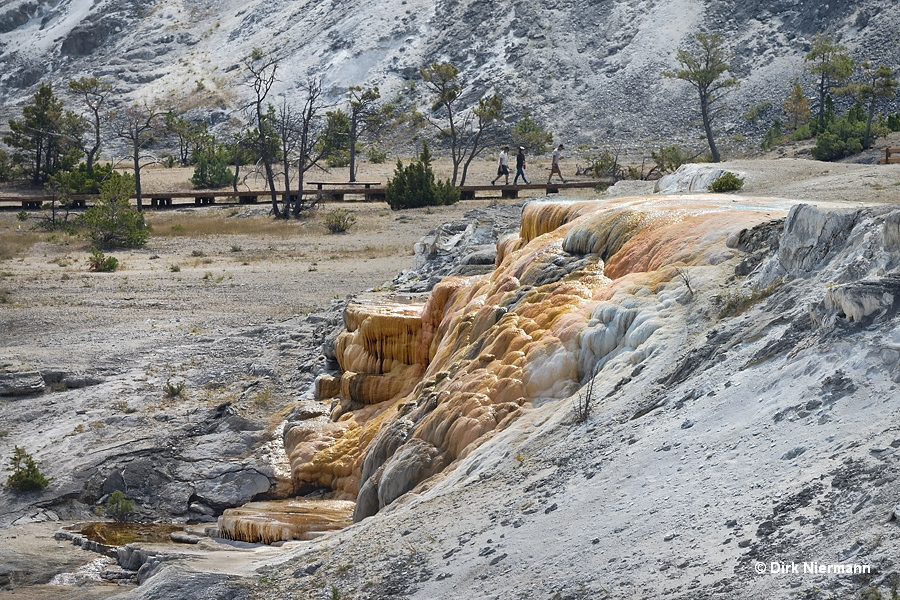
<point x="591" y="71"/>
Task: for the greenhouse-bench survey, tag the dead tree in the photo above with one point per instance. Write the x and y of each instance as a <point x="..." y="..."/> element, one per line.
<point x="139" y="124"/>
<point x="261" y="68"/>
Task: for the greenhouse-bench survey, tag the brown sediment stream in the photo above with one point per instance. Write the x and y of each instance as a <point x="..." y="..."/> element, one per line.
<point x="119" y="534"/>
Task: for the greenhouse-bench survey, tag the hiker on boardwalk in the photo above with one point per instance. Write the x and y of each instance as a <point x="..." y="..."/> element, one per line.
<point x="520" y="166"/>
<point x="554" y="167"/>
<point x="502" y="166"/>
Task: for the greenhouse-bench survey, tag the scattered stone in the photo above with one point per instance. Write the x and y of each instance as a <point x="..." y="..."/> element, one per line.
<point x="21" y="384"/>
<point x="202" y="509"/>
<point x="77" y="382"/>
<point x="793" y="453"/>
<point x="550" y="508"/>
<point x="895" y="514"/>
<point x="889" y="356"/>
<point x="497" y="559"/>
<point x="307" y="570"/>
<point x="765" y="528"/>
<point x="228" y="487"/>
<point x="184" y="538"/>
<point x="669" y="536"/>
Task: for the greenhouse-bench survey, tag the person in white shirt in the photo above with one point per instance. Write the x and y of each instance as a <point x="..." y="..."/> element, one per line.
<point x="554" y="167"/>
<point x="502" y="166"/>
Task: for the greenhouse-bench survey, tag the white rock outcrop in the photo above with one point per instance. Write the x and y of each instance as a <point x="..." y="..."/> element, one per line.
<point x="691" y="178"/>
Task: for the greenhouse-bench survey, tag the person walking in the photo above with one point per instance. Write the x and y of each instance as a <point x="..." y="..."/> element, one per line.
<point x="554" y="166"/>
<point x="502" y="166"/>
<point x="520" y="166"/>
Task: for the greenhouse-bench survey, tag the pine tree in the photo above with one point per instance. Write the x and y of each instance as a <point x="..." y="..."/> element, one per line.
<point x="796" y="107"/>
<point x="704" y="68"/>
<point x="831" y="63"/>
<point x="37" y="136"/>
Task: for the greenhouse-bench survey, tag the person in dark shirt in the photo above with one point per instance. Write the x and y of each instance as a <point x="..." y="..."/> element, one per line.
<point x="520" y="166"/>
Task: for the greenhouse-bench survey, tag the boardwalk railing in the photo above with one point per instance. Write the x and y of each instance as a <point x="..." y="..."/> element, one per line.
<point x="370" y="192"/>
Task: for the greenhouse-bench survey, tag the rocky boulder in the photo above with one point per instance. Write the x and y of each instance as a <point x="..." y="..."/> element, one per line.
<point x="691" y="178"/>
<point x="21" y="384"/>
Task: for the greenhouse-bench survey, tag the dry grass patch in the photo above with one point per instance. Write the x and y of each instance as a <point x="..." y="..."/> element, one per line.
<point x="368" y="251"/>
<point x="13" y="242"/>
<point x="207" y="223"/>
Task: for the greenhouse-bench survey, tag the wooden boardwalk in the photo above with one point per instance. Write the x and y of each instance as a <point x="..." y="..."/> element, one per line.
<point x="335" y="193"/>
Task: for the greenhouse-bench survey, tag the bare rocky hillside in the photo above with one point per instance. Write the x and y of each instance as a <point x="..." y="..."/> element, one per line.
<point x="591" y="71"/>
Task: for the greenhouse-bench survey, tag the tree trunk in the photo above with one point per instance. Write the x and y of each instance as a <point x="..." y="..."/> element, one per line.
<point x="822" y="103"/>
<point x="301" y="170"/>
<point x="352" y="149"/>
<point x="454" y="144"/>
<point x="707" y="126"/>
<point x="38" y="160"/>
<point x="137" y="178"/>
<point x="471" y="157"/>
<point x="270" y="180"/>
<point x="866" y="145"/>
<point x="96" y="148"/>
<point x="286" y="164"/>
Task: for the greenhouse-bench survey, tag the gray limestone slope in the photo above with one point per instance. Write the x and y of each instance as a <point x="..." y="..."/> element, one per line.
<point x="589" y="70"/>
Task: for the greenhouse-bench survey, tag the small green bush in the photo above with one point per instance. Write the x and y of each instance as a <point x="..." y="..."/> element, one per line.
<point x="118" y="507"/>
<point x="111" y="222"/>
<point x="893" y="122"/>
<point x="414" y="186"/>
<point x="376" y="157"/>
<point x="167" y="159"/>
<point x="338" y="159"/>
<point x="101" y="263"/>
<point x="830" y="146"/>
<point x="211" y="170"/>
<point x="173" y="390"/>
<point x="844" y="136"/>
<point x="803" y="132"/>
<point x="26" y="476"/>
<point x="80" y="180"/>
<point x="669" y="158"/>
<point x="773" y="137"/>
<point x="6" y="166"/>
<point x="752" y="115"/>
<point x="605" y="164"/>
<point x="728" y="182"/>
<point x="526" y="132"/>
<point x="339" y="220"/>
